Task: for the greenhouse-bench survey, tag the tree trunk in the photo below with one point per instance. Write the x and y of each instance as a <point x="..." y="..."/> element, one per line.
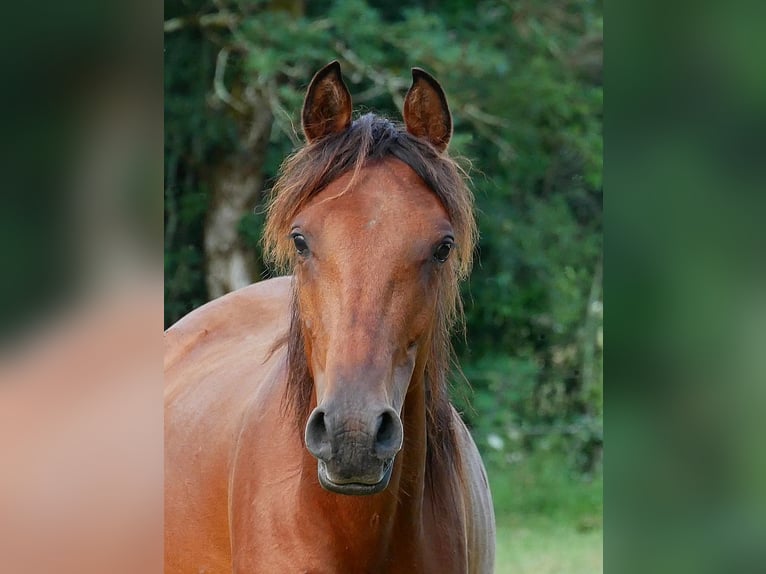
<point x="236" y="187"/>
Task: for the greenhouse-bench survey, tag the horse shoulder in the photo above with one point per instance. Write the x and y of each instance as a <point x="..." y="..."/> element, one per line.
<point x="257" y="309"/>
<point x="479" y="513"/>
<point x="219" y="359"/>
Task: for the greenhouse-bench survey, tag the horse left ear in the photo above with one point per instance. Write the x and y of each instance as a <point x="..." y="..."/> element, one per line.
<point x="426" y="113"/>
<point x="327" y="107"/>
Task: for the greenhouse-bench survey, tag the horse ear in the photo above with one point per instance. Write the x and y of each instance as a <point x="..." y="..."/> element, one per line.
<point x="327" y="107"/>
<point x="426" y="113"/>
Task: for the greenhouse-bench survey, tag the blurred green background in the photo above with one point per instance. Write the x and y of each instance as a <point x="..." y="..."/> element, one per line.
<point x="523" y="79"/>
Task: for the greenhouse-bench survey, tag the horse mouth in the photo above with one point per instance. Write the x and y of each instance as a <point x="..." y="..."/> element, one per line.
<point x="354" y="488"/>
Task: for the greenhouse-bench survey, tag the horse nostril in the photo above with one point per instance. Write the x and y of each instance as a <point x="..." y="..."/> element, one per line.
<point x="317" y="436"/>
<point x="385" y="428"/>
<point x="388" y="436"/>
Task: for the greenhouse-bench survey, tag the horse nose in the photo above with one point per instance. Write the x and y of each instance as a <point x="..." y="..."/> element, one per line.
<point x="382" y="431"/>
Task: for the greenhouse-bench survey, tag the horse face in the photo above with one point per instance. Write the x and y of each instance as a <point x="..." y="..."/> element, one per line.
<point x="368" y="259"/>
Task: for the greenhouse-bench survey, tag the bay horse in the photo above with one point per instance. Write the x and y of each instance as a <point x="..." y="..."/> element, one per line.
<point x="307" y="422"/>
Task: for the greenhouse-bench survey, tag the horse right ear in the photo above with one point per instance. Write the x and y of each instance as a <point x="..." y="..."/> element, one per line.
<point x="327" y="107"/>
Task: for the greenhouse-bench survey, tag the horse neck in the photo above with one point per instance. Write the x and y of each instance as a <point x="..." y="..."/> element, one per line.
<point x="411" y="460"/>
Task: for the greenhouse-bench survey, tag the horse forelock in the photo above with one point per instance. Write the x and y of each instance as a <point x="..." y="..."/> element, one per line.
<point x="311" y="169"/>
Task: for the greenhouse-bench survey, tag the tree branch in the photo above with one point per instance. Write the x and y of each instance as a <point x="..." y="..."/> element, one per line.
<point x="218" y="82"/>
<point x="215" y="20"/>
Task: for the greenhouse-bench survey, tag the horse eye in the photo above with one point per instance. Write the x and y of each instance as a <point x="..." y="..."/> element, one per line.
<point x="300" y="244"/>
<point x="443" y="251"/>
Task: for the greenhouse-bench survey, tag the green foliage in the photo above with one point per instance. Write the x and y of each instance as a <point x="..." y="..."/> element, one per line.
<point x="543" y="484"/>
<point x="523" y="81"/>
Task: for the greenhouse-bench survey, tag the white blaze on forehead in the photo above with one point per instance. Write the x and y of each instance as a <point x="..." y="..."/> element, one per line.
<point x="371" y="223"/>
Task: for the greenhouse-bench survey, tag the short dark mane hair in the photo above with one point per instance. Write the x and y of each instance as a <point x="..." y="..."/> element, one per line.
<point x="308" y="171"/>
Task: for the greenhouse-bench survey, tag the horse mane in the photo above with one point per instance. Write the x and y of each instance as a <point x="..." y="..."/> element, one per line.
<point x="308" y="171"/>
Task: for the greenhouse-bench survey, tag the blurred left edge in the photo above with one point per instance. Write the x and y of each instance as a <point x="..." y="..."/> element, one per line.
<point x="81" y="287"/>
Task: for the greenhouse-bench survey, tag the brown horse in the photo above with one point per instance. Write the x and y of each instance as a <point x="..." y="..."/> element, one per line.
<point x="289" y="396"/>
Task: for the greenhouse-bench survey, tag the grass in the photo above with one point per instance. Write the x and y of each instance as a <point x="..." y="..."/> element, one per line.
<point x="538" y="546"/>
<point x="548" y="518"/>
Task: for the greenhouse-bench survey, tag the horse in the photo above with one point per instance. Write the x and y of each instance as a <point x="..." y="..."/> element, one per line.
<point x="308" y="426"/>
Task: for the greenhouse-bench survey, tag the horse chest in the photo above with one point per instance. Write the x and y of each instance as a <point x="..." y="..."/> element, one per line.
<point x="285" y="533"/>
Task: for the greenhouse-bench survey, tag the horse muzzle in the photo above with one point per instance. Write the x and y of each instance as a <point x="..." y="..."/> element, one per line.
<point x="355" y="453"/>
